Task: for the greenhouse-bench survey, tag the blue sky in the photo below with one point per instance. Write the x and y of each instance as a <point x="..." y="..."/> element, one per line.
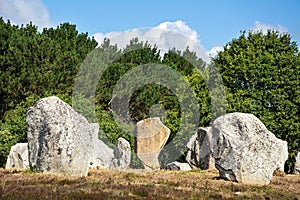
<point x="216" y="22"/>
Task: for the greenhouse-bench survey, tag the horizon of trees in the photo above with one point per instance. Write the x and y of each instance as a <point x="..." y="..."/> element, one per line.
<point x="260" y="74"/>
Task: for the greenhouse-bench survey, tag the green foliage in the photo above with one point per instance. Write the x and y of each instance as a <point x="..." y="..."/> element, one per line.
<point x="261" y="75"/>
<point x="33" y="63"/>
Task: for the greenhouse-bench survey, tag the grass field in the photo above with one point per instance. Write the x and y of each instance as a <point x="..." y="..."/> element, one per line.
<point x="140" y="184"/>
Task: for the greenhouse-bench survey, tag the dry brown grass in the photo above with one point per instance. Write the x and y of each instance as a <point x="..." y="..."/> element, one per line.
<point x="140" y="184"/>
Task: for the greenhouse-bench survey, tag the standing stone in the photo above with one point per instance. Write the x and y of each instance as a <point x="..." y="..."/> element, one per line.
<point x="122" y="154"/>
<point x="151" y="137"/>
<point x="199" y="153"/>
<point x="59" y="139"/>
<point x="178" y="166"/>
<point x="18" y="156"/>
<point x="101" y="154"/>
<point x="297" y="164"/>
<point x="245" y="151"/>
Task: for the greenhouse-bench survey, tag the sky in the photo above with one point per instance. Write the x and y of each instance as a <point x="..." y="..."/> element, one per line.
<point x="211" y="24"/>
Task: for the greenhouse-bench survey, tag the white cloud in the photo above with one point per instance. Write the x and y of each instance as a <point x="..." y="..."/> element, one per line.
<point x="180" y="27"/>
<point x="24" y="11"/>
<point x="166" y="35"/>
<point x="214" y="51"/>
<point x="259" y="26"/>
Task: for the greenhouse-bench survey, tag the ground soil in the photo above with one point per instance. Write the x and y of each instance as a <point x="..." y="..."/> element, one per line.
<point x="140" y="184"/>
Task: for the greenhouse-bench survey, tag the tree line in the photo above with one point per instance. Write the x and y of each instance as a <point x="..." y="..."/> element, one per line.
<point x="260" y="74"/>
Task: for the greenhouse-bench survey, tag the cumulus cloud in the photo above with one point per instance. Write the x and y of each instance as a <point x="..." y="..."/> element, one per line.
<point x="166" y="35"/>
<point x="24" y="11"/>
<point x="259" y="26"/>
<point x="213" y="52"/>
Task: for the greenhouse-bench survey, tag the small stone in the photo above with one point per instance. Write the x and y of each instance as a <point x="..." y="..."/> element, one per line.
<point x="18" y="156"/>
<point x="101" y="154"/>
<point x="297" y="164"/>
<point x="178" y="166"/>
<point x="199" y="154"/>
<point x="122" y="154"/>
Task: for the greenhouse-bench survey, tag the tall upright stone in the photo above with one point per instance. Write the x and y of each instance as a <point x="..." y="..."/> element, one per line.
<point x="245" y="151"/>
<point x="151" y="136"/>
<point x="59" y="139"/>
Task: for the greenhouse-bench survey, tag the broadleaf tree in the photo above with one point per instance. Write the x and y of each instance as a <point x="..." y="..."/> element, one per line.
<point x="261" y="73"/>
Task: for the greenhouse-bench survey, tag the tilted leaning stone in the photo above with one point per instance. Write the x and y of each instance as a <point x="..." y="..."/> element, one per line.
<point x="199" y="154"/>
<point x="18" y="156"/>
<point x="59" y="139"/>
<point x="151" y="136"/>
<point x="245" y="151"/>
